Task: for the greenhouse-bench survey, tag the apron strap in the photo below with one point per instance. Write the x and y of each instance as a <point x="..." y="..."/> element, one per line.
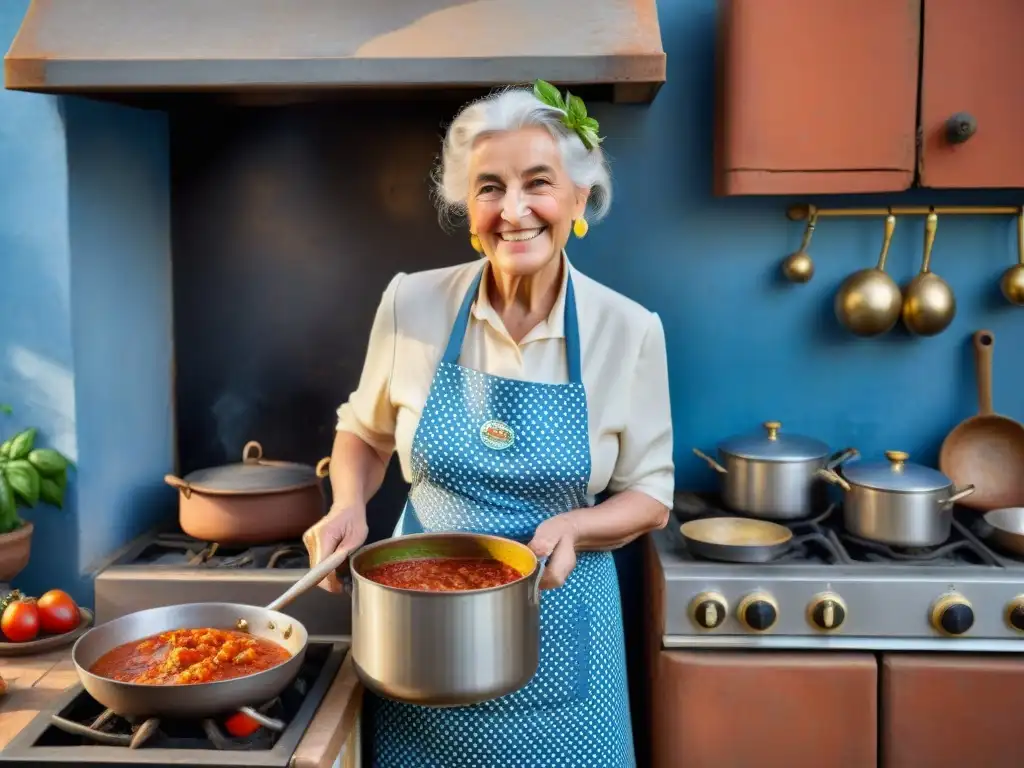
<point x="570" y="321"/>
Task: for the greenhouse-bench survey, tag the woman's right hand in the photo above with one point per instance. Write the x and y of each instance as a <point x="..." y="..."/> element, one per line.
<point x="341" y="528"/>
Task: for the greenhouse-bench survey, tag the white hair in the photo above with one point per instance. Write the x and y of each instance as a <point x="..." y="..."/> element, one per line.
<point x="510" y="110"/>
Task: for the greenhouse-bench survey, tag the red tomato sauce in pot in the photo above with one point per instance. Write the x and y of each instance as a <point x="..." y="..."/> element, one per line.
<point x="444" y="574"/>
<point x="189" y="656"/>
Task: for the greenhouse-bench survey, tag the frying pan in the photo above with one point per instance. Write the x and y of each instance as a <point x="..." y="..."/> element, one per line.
<point x="986" y="450"/>
<point x="736" y="539"/>
<point x="1007" y="529"/>
<point x="201" y="700"/>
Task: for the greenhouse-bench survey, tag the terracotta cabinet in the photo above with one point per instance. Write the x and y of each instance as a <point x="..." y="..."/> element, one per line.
<point x="817" y="95"/>
<point x="720" y="709"/>
<point x="951" y="711"/>
<point x="973" y="62"/>
<point x="821" y="96"/>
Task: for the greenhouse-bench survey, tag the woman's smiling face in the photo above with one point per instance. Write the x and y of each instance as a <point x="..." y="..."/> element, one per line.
<point x="521" y="200"/>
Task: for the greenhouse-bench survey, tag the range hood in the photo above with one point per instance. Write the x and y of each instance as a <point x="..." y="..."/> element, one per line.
<point x="97" y="47"/>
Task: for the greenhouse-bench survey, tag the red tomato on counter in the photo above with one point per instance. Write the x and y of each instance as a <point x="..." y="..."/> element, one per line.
<point x="241" y="725"/>
<point x="58" y="612"/>
<point x="20" y="622"/>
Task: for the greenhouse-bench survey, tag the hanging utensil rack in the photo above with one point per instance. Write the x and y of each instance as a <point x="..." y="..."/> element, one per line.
<point x="803" y="211"/>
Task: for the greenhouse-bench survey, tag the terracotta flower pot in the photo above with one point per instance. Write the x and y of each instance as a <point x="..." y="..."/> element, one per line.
<point x="14" y="551"/>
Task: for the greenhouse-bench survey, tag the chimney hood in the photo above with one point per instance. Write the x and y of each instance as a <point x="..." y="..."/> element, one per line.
<point x="309" y="47"/>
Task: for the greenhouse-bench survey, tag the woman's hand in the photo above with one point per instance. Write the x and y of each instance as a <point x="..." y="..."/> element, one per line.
<point x="555" y="539"/>
<point x="341" y="528"/>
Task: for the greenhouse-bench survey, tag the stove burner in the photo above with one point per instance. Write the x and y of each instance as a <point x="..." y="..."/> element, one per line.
<point x="114" y="730"/>
<point x="957" y="550"/>
<point x="179" y="549"/>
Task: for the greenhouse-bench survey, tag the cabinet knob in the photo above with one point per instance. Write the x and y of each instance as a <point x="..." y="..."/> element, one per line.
<point x="960" y="127"/>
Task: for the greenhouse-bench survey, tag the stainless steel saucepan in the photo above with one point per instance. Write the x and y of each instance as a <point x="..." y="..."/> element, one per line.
<point x="201" y="700"/>
<point x="445" y="649"/>
<point x="896" y="502"/>
<point x="773" y="475"/>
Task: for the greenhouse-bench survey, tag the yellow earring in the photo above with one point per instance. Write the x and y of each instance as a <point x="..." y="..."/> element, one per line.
<point x="580" y="227"/>
<point x="475" y="242"/>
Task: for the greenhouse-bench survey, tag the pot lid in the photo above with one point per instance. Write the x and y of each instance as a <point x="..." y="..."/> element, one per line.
<point x="896" y="474"/>
<point x="772" y="445"/>
<point x="253" y="475"/>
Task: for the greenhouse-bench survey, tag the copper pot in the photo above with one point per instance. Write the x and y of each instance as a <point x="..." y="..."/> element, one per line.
<point x="255" y="502"/>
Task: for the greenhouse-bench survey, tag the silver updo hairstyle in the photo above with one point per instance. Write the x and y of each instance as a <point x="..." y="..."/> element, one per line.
<point x="509" y="110"/>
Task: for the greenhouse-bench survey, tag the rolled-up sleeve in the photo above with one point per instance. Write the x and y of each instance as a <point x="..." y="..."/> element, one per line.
<point x="369" y="413"/>
<point x="645" y="446"/>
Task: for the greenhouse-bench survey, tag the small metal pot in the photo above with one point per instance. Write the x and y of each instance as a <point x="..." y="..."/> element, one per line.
<point x="896" y="502"/>
<point x="771" y="475"/>
<point x="445" y="649"/>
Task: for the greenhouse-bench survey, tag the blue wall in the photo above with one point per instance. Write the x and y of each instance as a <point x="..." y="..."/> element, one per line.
<point x="85" y="344"/>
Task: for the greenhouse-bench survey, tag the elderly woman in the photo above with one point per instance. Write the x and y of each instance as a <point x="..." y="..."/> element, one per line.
<point x="517" y="391"/>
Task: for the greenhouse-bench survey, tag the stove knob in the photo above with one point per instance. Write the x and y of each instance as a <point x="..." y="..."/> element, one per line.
<point x="758" y="611"/>
<point x="1015" y="613"/>
<point x="952" y="614"/>
<point x="827" y="611"/>
<point x="708" y="610"/>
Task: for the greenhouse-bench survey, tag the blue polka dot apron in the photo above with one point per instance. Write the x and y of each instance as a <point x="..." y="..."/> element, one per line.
<point x="500" y="456"/>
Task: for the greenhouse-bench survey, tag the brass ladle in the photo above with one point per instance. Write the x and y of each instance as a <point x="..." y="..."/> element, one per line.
<point x="868" y="302"/>
<point x="929" y="305"/>
<point x="1012" y="283"/>
<point x="798" y="267"/>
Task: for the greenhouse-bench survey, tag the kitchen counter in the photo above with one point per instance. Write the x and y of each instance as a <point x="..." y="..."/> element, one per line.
<point x="34" y="682"/>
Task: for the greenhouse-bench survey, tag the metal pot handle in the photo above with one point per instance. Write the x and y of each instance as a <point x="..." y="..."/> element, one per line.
<point x="252" y="452"/>
<point x="176" y="482"/>
<point x="538" y="575"/>
<point x="829" y="476"/>
<point x="963" y="493"/>
<point x="711" y="462"/>
<point x="841" y="457"/>
<point x="313" y="577"/>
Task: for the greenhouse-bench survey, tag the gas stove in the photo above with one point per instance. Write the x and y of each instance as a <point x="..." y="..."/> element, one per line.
<point x="169" y="568"/>
<point x="78" y="730"/>
<point x="833" y="590"/>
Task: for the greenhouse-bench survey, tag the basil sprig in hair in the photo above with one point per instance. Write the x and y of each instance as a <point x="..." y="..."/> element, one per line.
<point x="574" y="112"/>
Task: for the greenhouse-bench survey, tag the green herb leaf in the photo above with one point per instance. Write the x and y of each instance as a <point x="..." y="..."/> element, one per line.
<point x="22" y="443"/>
<point x="577" y="110"/>
<point x="61" y="479"/>
<point x="547" y="93"/>
<point x="8" y="506"/>
<point x="24" y="479"/>
<point x="4" y="408"/>
<point x="51" y="493"/>
<point x="591" y="123"/>
<point x="48" y="461"/>
<point x="589" y="138"/>
<point x="5" y="449"/>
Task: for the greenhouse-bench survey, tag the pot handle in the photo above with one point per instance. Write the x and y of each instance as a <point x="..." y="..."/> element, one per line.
<point x="176" y="482"/>
<point x="535" y="591"/>
<point x="313" y="577"/>
<point x="829" y="476"/>
<point x="841" y="457"/>
<point x="251" y="452"/>
<point x="963" y="493"/>
<point x="267" y="722"/>
<point x="711" y="462"/>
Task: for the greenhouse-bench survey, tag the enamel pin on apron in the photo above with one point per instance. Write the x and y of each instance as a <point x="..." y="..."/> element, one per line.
<point x="497" y="435"/>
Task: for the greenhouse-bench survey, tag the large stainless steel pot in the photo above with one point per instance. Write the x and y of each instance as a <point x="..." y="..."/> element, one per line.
<point x="445" y="648"/>
<point x="896" y="502"/>
<point x="773" y="475"/>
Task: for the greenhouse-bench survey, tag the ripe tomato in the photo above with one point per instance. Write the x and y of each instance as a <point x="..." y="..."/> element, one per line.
<point x="20" y="622"/>
<point x="241" y="725"/>
<point x="58" y="613"/>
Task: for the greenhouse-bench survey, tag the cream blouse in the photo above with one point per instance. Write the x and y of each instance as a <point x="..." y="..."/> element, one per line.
<point x="624" y="364"/>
